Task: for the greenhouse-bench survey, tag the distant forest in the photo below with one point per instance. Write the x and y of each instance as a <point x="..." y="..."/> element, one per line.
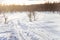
<point x="35" y="7"/>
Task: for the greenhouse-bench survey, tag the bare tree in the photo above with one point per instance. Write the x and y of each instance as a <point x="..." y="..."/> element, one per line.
<point x="30" y="16"/>
<point x="33" y="13"/>
<point x="5" y="18"/>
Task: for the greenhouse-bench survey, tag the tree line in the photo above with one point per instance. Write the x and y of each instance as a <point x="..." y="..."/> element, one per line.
<point x="35" y="7"/>
<point x="29" y="8"/>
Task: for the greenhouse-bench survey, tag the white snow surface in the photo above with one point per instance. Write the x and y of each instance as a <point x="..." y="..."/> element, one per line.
<point x="18" y="27"/>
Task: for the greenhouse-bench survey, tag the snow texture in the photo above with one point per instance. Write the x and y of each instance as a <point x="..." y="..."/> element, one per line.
<point x="18" y="27"/>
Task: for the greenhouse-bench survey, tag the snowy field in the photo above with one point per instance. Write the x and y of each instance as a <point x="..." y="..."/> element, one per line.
<point x="18" y="27"/>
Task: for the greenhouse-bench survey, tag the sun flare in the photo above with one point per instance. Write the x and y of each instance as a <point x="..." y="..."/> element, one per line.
<point x="26" y="2"/>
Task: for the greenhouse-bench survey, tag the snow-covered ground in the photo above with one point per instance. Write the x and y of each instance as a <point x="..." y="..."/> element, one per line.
<point x="18" y="27"/>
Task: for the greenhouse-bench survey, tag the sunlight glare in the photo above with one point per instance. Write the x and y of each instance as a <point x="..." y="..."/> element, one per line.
<point x="27" y="2"/>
